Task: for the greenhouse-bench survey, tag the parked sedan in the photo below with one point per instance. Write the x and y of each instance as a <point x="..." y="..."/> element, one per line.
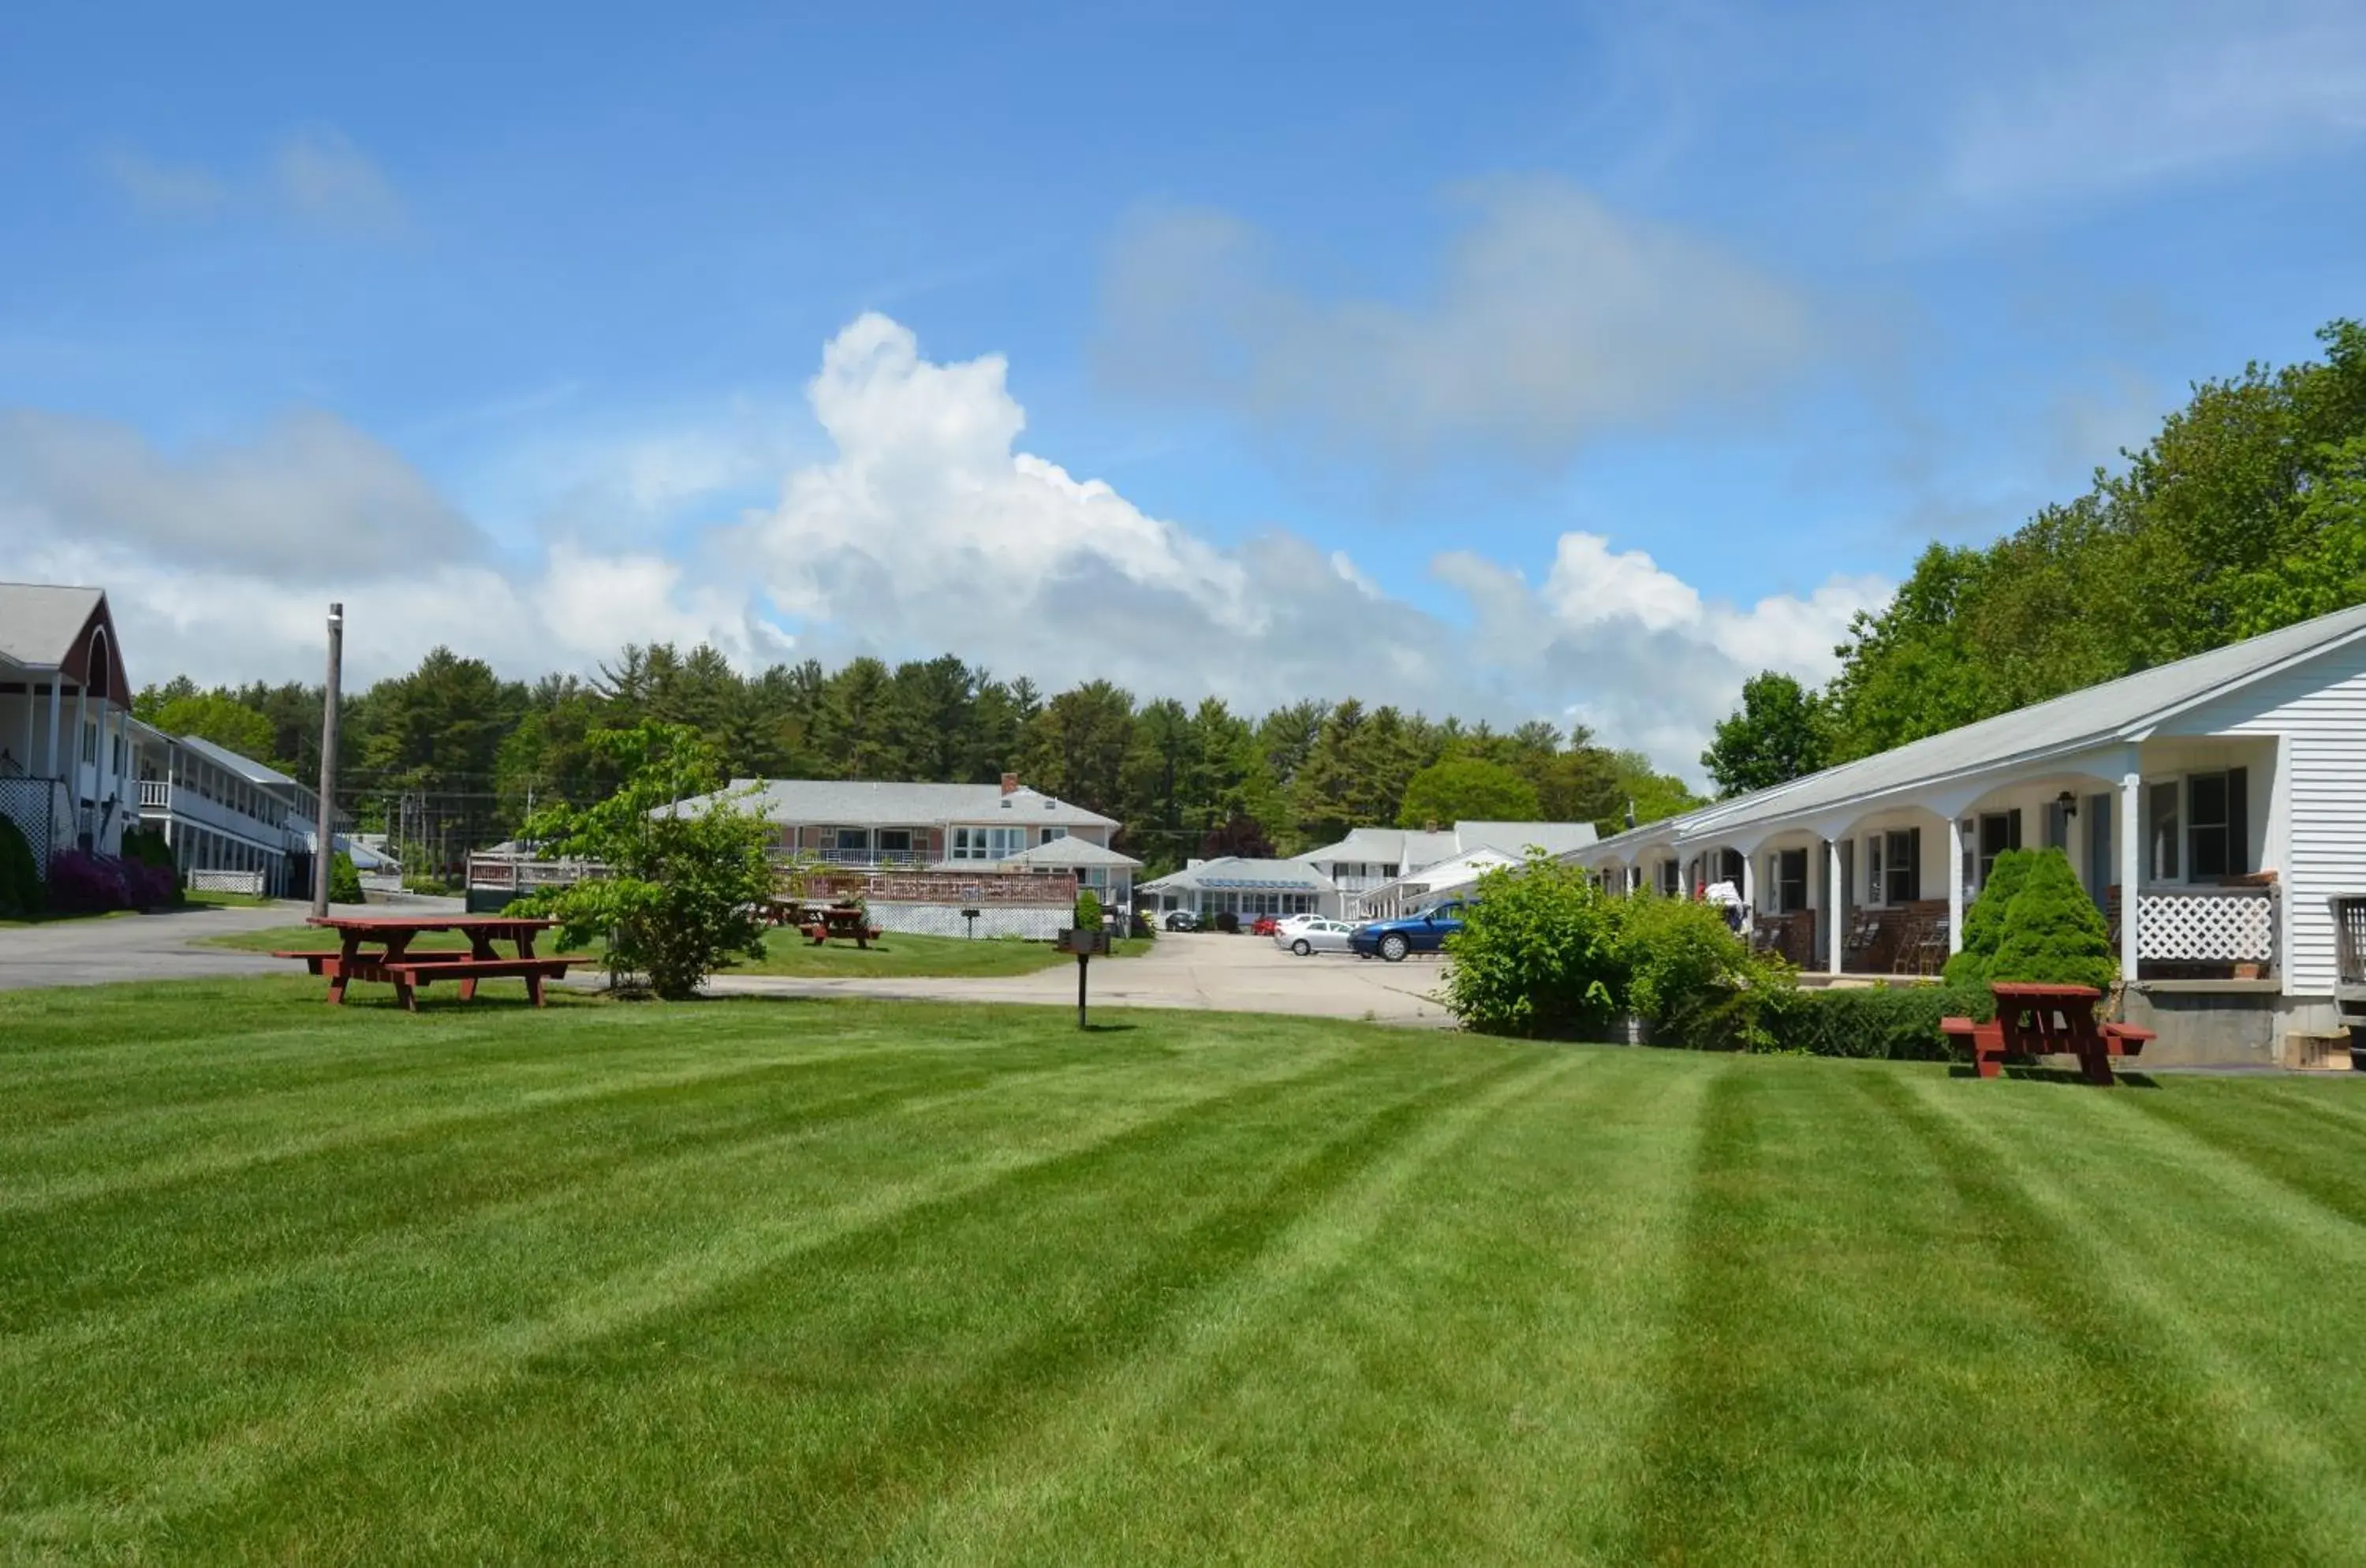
<point x="1313" y="934"/>
<point x="1391" y="940"/>
<point x="1182" y="920"/>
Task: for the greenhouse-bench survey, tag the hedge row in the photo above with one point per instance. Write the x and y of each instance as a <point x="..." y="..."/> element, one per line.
<point x="20" y="879"/>
<point x="1899" y="1023"/>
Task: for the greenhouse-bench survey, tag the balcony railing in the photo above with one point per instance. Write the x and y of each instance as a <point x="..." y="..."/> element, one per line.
<point x="873" y="860"/>
<point x="163" y="796"/>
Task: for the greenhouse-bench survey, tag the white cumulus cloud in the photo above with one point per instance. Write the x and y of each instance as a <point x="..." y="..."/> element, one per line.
<point x="923" y="527"/>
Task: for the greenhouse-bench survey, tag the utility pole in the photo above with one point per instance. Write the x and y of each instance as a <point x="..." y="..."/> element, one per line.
<point x="327" y="851"/>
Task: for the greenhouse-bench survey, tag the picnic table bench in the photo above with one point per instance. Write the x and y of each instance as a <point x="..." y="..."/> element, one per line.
<point x="2040" y="1021"/>
<point x="848" y="922"/>
<point x="377" y="948"/>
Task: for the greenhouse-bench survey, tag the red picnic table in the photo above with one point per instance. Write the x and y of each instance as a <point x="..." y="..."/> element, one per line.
<point x="2041" y="1020"/>
<point x="377" y="948"/>
<point x="846" y="921"/>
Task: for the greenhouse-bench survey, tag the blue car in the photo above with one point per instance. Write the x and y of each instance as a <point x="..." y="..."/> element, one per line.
<point x="1391" y="940"/>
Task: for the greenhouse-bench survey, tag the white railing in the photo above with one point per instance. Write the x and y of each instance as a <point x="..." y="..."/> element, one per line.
<point x="247" y="882"/>
<point x="39" y="808"/>
<point x="2219" y="925"/>
<point x="182" y="801"/>
<point x="869" y="859"/>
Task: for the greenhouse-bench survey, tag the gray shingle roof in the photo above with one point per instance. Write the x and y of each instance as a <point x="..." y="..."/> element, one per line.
<point x="1235" y="870"/>
<point x="1515" y="837"/>
<point x="1415" y="847"/>
<point x="247" y="767"/>
<point x="1071" y="851"/>
<point x="859" y="802"/>
<point x="39" y="623"/>
<point x="2115" y="710"/>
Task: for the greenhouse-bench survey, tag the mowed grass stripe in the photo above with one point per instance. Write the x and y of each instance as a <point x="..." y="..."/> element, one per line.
<point x="2182" y="1235"/>
<point x="2148" y="1394"/>
<point x="1294" y="1408"/>
<point x="1818" y="1398"/>
<point x="696" y="1259"/>
<point x="968" y="1285"/>
<point x="899" y="1363"/>
<point x="267" y="1037"/>
<point x="2305" y="1142"/>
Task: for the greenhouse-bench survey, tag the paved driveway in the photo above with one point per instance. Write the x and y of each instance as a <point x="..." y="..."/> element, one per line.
<point x="1183" y="969"/>
<point x="137" y="947"/>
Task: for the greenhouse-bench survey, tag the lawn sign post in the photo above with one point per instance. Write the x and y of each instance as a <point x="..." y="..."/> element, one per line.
<point x="1084" y="944"/>
<point x="970" y="916"/>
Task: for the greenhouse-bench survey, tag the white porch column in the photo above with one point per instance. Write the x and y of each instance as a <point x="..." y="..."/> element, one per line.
<point x="1750" y="886"/>
<point x="57" y="704"/>
<point x="1835" y="900"/>
<point x="1954" y="883"/>
<point x="2131" y="845"/>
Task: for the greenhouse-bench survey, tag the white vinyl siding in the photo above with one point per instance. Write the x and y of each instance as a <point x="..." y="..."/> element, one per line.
<point x="2320" y="707"/>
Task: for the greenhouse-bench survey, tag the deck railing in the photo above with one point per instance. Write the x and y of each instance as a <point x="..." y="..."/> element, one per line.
<point x="2208" y="926"/>
<point x="2350" y="941"/>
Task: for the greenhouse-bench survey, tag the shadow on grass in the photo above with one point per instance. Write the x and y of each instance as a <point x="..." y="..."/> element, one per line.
<point x="2056" y="1074"/>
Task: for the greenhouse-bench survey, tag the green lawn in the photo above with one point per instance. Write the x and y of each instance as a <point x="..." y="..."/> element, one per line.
<point x="768" y="1281"/>
<point x="896" y="956"/>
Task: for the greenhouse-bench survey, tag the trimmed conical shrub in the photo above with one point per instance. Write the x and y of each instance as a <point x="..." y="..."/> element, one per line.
<point x="1984" y="921"/>
<point x="2052" y="933"/>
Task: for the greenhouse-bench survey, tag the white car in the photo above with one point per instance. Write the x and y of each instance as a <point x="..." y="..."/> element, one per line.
<point x="1313" y="933"/>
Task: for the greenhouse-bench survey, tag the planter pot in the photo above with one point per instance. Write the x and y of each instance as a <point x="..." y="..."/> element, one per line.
<point x="2247" y="971"/>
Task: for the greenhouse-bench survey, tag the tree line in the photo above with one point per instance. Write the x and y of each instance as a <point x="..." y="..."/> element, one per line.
<point x="2246" y="513"/>
<point x="449" y="756"/>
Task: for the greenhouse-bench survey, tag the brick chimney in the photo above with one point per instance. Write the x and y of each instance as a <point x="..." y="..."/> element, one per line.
<point x="1010" y="783"/>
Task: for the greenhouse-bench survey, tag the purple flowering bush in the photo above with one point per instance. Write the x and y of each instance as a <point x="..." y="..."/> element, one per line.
<point x="82" y="883"/>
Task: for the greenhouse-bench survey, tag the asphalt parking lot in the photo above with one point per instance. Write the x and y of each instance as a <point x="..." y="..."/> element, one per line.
<point x="1183" y="969"/>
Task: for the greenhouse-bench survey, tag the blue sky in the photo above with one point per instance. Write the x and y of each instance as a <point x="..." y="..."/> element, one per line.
<point x="1570" y="360"/>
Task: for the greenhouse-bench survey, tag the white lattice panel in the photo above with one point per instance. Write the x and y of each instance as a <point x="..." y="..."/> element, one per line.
<point x="2207" y="927"/>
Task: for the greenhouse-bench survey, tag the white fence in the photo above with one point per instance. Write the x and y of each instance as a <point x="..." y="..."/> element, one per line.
<point x="247" y="882"/>
<point x="993" y="919"/>
<point x="38" y="807"/>
<point x="2232" y="925"/>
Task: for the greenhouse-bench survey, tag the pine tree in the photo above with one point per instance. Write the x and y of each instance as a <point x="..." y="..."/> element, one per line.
<point x="2052" y="933"/>
<point x="1984" y="921"/>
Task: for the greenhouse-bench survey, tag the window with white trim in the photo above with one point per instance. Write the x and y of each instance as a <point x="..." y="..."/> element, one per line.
<point x="988" y="843"/>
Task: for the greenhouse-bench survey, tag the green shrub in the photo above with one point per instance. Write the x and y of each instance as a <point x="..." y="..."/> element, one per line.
<point x="1898" y="1023"/>
<point x="20" y="878"/>
<point x="2052" y="933"/>
<point x="1537" y="955"/>
<point x="1694" y="982"/>
<point x="1984" y="921"/>
<point x="1089" y="910"/>
<point x="146" y="846"/>
<point x="345" y="881"/>
<point x="688" y="866"/>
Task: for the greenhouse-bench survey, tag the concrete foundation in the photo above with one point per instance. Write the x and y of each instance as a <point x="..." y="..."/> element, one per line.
<point x="2218" y="1023"/>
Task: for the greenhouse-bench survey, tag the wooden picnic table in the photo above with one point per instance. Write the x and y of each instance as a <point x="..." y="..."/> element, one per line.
<point x="2041" y="1020"/>
<point x="848" y="922"/>
<point x="377" y="948"/>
